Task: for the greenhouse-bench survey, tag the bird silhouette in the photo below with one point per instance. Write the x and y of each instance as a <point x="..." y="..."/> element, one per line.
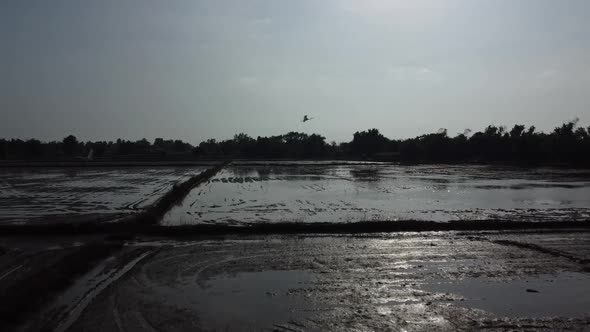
<point x="306" y="118"/>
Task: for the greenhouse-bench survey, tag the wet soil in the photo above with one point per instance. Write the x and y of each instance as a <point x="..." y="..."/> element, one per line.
<point x="437" y="281"/>
<point x="29" y="278"/>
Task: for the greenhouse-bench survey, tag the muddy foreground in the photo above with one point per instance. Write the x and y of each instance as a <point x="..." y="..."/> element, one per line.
<point x="438" y="281"/>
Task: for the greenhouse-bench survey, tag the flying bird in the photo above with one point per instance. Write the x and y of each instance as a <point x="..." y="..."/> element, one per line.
<point x="306" y="118"/>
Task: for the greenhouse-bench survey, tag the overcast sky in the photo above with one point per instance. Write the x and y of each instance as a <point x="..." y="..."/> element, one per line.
<point x="103" y="69"/>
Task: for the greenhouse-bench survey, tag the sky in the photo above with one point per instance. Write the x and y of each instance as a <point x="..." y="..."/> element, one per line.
<point x="193" y="70"/>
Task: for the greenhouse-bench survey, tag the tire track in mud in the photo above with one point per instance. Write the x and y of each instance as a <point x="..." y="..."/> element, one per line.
<point x="584" y="262"/>
<point x="134" y="318"/>
<point x="143" y="322"/>
<point x="223" y="261"/>
<point x="77" y="309"/>
<point x="117" y="317"/>
<point x="136" y="314"/>
<point x="209" y="262"/>
<point x="11" y="271"/>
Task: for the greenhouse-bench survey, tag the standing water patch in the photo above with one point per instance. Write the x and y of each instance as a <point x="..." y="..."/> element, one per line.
<point x="249" y="300"/>
<point x="565" y="294"/>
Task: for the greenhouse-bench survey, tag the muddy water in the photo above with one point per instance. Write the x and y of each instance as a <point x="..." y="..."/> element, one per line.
<point x="52" y="194"/>
<point x="251" y="301"/>
<point x="565" y="294"/>
<point x="346" y="193"/>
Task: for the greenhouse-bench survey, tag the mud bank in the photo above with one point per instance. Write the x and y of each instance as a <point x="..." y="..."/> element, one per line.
<point x="115" y="164"/>
<point x="361" y="227"/>
<point x="131" y="228"/>
<point x="434" y="281"/>
<point x="154" y="213"/>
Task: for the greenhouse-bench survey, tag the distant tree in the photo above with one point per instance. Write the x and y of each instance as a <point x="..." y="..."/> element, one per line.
<point x="70" y="145"/>
<point x="368" y="142"/>
<point x="531" y="130"/>
<point x="566" y="129"/>
<point x="210" y="147"/>
<point x="180" y="146"/>
<point x="409" y="150"/>
<point x="243" y="145"/>
<point x="243" y="139"/>
<point x="566" y="144"/>
<point x="581" y="134"/>
<point x="196" y="151"/>
<point x="314" y="146"/>
<point x="99" y="148"/>
<point x="159" y="142"/>
<point x="516" y="131"/>
<point x="435" y="146"/>
<point x="3" y="144"/>
<point x="34" y="148"/>
<point x="124" y="147"/>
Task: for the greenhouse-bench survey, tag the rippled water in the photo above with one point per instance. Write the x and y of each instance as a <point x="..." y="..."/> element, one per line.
<point x="79" y="194"/>
<point x="565" y="294"/>
<point x="346" y="193"/>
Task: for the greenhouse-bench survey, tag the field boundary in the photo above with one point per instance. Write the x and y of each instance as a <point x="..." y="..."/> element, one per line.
<point x="154" y="213"/>
<point x="147" y="227"/>
<point x="90" y="164"/>
<point x="549" y="251"/>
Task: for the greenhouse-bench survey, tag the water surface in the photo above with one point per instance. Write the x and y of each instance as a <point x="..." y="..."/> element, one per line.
<point x="79" y="194"/>
<point x="247" y="194"/>
<point x="565" y="294"/>
<point x="244" y="301"/>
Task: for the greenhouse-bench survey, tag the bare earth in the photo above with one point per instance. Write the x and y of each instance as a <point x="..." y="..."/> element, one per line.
<point x="445" y="281"/>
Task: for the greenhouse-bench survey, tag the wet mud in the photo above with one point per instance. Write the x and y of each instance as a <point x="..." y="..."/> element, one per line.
<point x="438" y="281"/>
<point x="30" y="278"/>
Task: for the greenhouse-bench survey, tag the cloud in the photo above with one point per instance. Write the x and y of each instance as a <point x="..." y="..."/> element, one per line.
<point x="246" y="81"/>
<point x="405" y="10"/>
<point x="548" y="74"/>
<point x="260" y="22"/>
<point x="414" y="73"/>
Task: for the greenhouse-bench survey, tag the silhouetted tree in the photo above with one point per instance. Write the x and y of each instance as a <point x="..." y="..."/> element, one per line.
<point x="566" y="144"/>
<point x="2" y="149"/>
<point x="368" y="142"/>
<point x="34" y="148"/>
<point x="70" y="145"/>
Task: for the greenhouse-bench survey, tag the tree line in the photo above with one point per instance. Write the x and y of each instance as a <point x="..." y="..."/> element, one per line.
<point x="565" y="144"/>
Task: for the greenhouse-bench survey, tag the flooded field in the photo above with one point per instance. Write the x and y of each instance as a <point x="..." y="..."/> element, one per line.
<point x="81" y="194"/>
<point x="257" y="193"/>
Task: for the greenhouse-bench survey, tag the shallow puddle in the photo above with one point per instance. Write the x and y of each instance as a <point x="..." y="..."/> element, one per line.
<point x="565" y="294"/>
<point x="249" y="300"/>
